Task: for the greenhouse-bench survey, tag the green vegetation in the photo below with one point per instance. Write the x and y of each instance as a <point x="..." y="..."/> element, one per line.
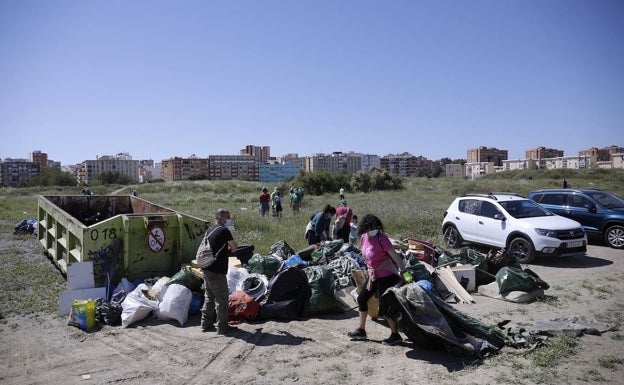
<point x="413" y="207"/>
<point x="555" y="349"/>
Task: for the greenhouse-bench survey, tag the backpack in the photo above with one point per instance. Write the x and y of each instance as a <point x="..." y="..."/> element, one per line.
<point x="340" y="221"/>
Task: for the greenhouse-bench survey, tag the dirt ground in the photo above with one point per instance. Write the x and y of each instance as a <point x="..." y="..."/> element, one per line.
<point x="42" y="349"/>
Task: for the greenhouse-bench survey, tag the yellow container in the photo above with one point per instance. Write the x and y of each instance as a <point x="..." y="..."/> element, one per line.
<point x="83" y="313"/>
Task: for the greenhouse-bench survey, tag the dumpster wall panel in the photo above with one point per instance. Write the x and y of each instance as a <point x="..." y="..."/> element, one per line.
<point x="124" y="236"/>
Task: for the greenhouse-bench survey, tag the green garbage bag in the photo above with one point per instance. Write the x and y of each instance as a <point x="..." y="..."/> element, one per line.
<point x="328" y="249"/>
<point x="186" y="278"/>
<point x="473" y="257"/>
<point x="323" y="288"/>
<point x="515" y="279"/>
<point x="267" y="266"/>
<point x="282" y="250"/>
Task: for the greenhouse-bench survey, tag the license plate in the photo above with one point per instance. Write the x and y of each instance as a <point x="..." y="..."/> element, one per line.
<point x="574" y="244"/>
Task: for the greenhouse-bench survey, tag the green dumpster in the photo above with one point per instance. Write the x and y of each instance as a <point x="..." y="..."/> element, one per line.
<point x="124" y="236"/>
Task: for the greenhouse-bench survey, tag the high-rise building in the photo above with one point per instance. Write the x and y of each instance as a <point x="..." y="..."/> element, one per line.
<point x="542" y="153"/>
<point x="263" y="153"/>
<point x="486" y="154"/>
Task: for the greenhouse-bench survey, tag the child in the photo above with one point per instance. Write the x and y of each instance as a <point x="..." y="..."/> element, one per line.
<point x="353" y="234"/>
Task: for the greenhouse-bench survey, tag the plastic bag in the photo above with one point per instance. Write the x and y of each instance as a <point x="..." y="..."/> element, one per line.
<point x="515" y="279"/>
<point x="136" y="306"/>
<point x="175" y="303"/>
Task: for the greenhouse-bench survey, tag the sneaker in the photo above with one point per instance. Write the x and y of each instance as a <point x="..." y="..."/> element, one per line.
<point x="228" y="330"/>
<point x="209" y="328"/>
<point x="357" y="335"/>
<point x="394" y="339"/>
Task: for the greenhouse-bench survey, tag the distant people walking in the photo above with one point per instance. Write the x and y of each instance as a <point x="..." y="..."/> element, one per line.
<point x="317" y="229"/>
<point x="342" y="224"/>
<point x="273" y="199"/>
<point x="264" y="201"/>
<point x="342" y="190"/>
<point x="278" y="204"/>
<point x="564" y="184"/>
<point x="295" y="201"/>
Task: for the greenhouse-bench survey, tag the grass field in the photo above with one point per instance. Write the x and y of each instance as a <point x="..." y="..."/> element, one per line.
<point x="415" y="211"/>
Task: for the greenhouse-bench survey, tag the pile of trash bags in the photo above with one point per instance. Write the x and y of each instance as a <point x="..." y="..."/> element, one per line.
<point x="285" y="284"/>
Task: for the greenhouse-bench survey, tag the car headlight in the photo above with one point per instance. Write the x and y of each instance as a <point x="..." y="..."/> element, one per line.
<point x="546" y="233"/>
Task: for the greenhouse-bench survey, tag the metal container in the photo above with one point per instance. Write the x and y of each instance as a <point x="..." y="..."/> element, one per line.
<point x="124" y="236"/>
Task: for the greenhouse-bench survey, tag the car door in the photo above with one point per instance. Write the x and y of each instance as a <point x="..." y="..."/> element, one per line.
<point x="466" y="218"/>
<point x="584" y="210"/>
<point x="491" y="230"/>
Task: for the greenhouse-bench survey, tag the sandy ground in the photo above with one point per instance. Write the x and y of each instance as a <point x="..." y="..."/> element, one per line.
<point x="42" y="349"/>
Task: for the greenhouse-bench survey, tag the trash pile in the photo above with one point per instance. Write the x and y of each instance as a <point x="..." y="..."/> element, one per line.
<point x="287" y="285"/>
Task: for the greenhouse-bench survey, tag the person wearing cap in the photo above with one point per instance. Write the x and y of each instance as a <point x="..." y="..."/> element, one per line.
<point x="342" y="225"/>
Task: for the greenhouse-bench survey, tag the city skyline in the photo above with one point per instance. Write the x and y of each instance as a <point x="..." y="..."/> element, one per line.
<point x="52" y="158"/>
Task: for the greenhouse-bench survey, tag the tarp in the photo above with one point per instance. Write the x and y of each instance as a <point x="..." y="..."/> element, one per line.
<point x="425" y="318"/>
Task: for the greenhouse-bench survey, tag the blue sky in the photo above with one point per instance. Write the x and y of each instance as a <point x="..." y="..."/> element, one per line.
<point x="159" y="79"/>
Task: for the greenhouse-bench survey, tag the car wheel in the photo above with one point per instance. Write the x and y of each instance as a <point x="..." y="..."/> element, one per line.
<point x="614" y="236"/>
<point x="452" y="237"/>
<point x="522" y="249"/>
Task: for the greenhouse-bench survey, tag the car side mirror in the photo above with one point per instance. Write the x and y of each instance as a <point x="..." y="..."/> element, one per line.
<point x="591" y="208"/>
<point x="500" y="216"/>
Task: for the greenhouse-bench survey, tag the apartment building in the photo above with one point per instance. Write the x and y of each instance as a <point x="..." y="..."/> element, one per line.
<point x="178" y="168"/>
<point x="237" y="167"/>
<point x="542" y="152"/>
<point x="486" y="154"/>
<point x="121" y="163"/>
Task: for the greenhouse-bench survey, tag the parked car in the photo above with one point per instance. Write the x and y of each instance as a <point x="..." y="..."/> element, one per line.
<point x="511" y="221"/>
<point x="599" y="212"/>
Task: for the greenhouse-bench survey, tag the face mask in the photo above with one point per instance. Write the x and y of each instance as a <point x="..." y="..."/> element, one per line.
<point x="228" y="223"/>
<point x="372" y="233"/>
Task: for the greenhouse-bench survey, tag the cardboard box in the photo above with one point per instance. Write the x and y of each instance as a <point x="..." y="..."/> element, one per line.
<point x="467" y="273"/>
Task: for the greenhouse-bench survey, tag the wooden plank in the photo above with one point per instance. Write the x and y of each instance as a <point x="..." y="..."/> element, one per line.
<point x="447" y="277"/>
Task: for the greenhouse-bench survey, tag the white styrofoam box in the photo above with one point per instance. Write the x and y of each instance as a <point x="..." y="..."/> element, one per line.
<point x="66" y="298"/>
<point x="80" y="275"/>
<point x="466" y="272"/>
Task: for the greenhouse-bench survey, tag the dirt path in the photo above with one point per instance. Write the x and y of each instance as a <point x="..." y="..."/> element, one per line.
<point x="43" y="350"/>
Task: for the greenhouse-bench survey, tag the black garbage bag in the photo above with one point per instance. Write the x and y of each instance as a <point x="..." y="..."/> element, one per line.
<point x="108" y="312"/>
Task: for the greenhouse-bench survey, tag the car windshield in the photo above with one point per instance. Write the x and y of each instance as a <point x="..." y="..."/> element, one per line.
<point x="524" y="209"/>
<point x="608" y="200"/>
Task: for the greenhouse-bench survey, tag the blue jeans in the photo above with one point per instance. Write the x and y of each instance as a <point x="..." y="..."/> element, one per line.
<point x="216" y="297"/>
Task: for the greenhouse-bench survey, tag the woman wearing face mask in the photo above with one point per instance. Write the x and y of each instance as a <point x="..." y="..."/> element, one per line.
<point x="384" y="269"/>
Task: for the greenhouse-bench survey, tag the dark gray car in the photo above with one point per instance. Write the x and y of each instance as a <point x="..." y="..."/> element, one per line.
<point x="599" y="212"/>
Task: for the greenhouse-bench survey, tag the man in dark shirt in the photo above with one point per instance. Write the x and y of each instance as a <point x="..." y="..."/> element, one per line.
<point x="215" y="309"/>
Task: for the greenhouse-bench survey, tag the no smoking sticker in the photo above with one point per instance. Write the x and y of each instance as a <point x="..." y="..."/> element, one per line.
<point x="156" y="239"/>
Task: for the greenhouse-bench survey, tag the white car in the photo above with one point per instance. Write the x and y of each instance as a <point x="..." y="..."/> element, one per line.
<point x="505" y="220"/>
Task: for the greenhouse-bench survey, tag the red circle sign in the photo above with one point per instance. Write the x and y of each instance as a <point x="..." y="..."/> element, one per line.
<point x="156" y="239"/>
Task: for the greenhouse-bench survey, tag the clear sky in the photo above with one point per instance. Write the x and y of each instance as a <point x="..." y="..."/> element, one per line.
<point x="157" y="79"/>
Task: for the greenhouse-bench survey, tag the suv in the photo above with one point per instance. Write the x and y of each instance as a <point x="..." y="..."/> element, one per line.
<point x="505" y="220"/>
<point x="599" y="212"/>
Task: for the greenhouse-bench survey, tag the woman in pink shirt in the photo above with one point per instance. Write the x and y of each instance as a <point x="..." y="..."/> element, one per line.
<point x="385" y="267"/>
